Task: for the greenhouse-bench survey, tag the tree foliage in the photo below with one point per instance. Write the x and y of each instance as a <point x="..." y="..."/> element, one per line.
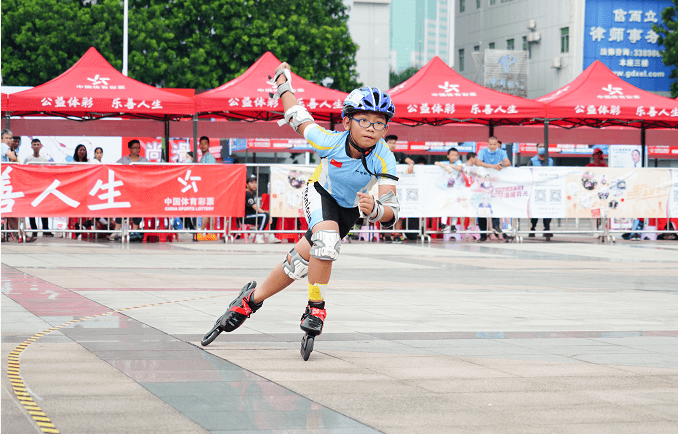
<point x="191" y="43"/>
<point x="397" y="78"/>
<point x="668" y="37"/>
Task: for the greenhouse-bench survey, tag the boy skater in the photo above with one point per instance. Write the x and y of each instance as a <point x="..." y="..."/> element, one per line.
<point x="334" y="198"/>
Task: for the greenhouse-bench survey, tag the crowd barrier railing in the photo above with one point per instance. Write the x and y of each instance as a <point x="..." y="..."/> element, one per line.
<point x="229" y="232"/>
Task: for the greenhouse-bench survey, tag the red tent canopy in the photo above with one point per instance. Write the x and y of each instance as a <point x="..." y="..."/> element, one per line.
<point x="248" y="96"/>
<point x="438" y="95"/>
<point x="93" y="89"/>
<point x="598" y="97"/>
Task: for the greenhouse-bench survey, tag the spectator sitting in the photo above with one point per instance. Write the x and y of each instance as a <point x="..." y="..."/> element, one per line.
<point x="492" y="157"/>
<point x="254" y="214"/>
<point x="540" y="160"/>
<point x="8" y="154"/>
<point x="454" y="162"/>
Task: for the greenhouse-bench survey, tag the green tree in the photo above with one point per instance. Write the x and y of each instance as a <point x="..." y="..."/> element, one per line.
<point x="191" y="43"/>
<point x="668" y="37"/>
<point x="397" y="78"/>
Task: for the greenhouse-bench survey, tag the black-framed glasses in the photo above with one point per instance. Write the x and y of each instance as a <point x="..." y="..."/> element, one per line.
<point x="364" y="123"/>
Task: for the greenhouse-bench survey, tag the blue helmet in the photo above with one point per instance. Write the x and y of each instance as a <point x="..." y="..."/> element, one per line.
<point x="370" y="99"/>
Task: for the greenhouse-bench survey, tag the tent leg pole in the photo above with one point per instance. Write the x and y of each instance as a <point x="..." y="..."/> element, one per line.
<point x="7" y="122"/>
<point x="491" y="129"/>
<point x="165" y="150"/>
<point x="546" y="140"/>
<point x="643" y="149"/>
<point x="195" y="138"/>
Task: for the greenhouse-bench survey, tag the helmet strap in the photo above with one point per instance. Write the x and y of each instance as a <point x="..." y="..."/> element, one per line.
<point x="363" y="153"/>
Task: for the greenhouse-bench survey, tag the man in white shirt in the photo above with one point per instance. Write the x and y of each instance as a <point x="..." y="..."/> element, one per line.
<point x="37" y="158"/>
<point x="36" y="145"/>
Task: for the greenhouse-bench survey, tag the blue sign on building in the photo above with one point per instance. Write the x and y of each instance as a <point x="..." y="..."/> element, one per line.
<point x="619" y="34"/>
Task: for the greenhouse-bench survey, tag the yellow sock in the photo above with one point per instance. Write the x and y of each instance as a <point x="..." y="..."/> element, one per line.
<point x="315" y="291"/>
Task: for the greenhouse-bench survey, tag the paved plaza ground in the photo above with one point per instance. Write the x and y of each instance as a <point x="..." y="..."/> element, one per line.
<point x="560" y="337"/>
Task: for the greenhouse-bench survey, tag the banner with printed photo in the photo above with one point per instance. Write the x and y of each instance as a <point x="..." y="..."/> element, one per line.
<point x="287" y="188"/>
<point x="673" y="198"/>
<point x="607" y="192"/>
<point x="625" y="156"/>
<point x="432" y="191"/>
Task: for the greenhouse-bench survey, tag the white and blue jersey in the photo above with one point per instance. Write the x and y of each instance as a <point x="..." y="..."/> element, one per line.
<point x="342" y="176"/>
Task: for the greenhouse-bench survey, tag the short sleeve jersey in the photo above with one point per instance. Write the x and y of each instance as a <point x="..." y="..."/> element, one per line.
<point x="488" y="157"/>
<point x="342" y="176"/>
<point x="127" y="160"/>
<point x="249" y="203"/>
<point x="208" y="158"/>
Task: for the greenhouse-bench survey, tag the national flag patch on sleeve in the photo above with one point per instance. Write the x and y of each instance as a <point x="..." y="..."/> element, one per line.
<point x="335" y="163"/>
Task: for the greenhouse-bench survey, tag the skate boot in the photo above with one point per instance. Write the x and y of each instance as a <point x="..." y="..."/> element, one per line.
<point x="312" y="324"/>
<point x="313" y="318"/>
<point x="240" y="309"/>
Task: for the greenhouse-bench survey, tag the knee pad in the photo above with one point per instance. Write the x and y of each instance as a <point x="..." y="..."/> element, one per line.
<point x="297" y="267"/>
<point x="326" y="245"/>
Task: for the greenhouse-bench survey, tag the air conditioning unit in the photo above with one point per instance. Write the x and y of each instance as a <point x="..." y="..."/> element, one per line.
<point x="556" y="62"/>
<point x="532" y="24"/>
<point x="534" y="37"/>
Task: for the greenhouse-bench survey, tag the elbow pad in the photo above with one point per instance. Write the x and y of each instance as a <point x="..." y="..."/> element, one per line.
<point x="295" y="116"/>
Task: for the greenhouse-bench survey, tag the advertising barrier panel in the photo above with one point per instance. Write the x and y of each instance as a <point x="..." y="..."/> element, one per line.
<point x="538" y="192"/>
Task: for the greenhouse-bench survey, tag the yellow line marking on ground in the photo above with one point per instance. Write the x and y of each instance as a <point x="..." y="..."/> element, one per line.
<point x="14" y="367"/>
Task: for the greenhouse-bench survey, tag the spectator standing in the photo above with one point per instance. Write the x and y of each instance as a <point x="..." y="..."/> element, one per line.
<point x="598" y="159"/>
<point x="35" y="157"/>
<point x="8" y="154"/>
<point x="454" y="163"/>
<point x="134" y="147"/>
<point x="492" y="157"/>
<point x="540" y="160"/>
<point x="80" y="154"/>
<point x="206" y="158"/>
<point x="98" y="155"/>
<point x="255" y="215"/>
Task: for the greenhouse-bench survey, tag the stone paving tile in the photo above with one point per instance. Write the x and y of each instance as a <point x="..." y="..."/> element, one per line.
<point x="586" y="345"/>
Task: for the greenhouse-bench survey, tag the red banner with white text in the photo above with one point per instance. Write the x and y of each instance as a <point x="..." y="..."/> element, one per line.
<point x="205" y="190"/>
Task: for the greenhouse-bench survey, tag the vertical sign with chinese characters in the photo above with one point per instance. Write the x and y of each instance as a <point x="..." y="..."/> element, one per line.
<point x="619" y="34"/>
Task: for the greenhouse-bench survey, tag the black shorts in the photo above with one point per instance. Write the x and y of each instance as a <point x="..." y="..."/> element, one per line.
<point x="319" y="206"/>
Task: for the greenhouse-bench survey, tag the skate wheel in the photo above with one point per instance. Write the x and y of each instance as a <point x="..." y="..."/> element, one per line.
<point x="306" y="346"/>
<point x="211" y="335"/>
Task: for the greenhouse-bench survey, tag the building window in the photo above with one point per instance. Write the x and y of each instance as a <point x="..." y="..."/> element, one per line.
<point x="506" y="1"/>
<point x="510" y="44"/>
<point x="477" y="4"/>
<point x="493" y="2"/>
<point x="524" y="43"/>
<point x="565" y="40"/>
<point x="476" y="48"/>
<point x="490" y="45"/>
<point x="462" y="6"/>
<point x="461" y="59"/>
